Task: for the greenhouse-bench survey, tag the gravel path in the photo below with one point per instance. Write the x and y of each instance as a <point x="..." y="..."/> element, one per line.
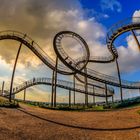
<point x="34" y="123"/>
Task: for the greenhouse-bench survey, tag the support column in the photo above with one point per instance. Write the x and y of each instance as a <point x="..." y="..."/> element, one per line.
<point x="55" y="81"/>
<point x="74" y="89"/>
<point x="112" y="98"/>
<point x="86" y="89"/>
<point x="106" y="94"/>
<point x="52" y="94"/>
<point x="69" y="98"/>
<point x="93" y="96"/>
<point x="13" y="73"/>
<point x="24" y="95"/>
<point x="136" y="39"/>
<point x="2" y="89"/>
<point x="119" y="76"/>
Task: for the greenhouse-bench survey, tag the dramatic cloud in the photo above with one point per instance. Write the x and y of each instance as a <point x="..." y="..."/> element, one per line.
<point x="42" y="19"/>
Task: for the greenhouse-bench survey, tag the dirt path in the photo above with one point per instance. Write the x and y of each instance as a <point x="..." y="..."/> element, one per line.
<point x="41" y="124"/>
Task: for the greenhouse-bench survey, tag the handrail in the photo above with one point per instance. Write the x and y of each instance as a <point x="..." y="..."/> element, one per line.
<point x="60" y="83"/>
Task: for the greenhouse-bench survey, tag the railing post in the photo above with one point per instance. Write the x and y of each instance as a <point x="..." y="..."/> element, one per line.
<point x="13" y="73"/>
<point x="119" y="76"/>
<point x="69" y="98"/>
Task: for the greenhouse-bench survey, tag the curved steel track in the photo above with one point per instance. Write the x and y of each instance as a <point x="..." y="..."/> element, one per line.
<point x="74" y="66"/>
<point x="61" y="84"/>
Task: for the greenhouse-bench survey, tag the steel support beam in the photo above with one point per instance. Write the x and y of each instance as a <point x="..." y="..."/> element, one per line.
<point x="106" y="94"/>
<point x="119" y="76"/>
<point x="52" y="94"/>
<point x="69" y="98"/>
<point x="86" y="89"/>
<point x="93" y="96"/>
<point x="13" y="73"/>
<point x="112" y="98"/>
<point x="74" y="89"/>
<point x="55" y="81"/>
<point x="24" y="95"/>
<point x="136" y="39"/>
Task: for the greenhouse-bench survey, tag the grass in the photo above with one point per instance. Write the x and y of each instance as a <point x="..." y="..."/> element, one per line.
<point x="139" y="112"/>
<point x="5" y="103"/>
<point x="65" y="107"/>
<point x="81" y="107"/>
<point x="76" y="108"/>
<point x="128" y="103"/>
<point x="94" y="108"/>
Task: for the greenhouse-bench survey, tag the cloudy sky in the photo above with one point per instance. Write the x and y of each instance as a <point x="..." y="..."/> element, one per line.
<point x="42" y="19"/>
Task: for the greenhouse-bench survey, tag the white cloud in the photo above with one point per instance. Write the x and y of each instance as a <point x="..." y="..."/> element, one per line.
<point x="136" y="13"/>
<point x="129" y="56"/>
<point x="82" y="25"/>
<point x="113" y="5"/>
<point x="106" y="16"/>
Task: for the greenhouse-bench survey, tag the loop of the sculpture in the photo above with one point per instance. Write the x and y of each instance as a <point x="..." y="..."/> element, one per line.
<point x="118" y="29"/>
<point x="64" y="57"/>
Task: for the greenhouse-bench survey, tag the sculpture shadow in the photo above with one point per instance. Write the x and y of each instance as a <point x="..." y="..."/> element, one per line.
<point x="78" y="127"/>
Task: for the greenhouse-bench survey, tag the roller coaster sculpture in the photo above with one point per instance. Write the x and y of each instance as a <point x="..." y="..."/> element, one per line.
<point x="95" y="83"/>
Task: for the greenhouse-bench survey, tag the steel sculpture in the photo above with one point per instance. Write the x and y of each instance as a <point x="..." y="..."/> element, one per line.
<point x="94" y="82"/>
<point x="65" y="58"/>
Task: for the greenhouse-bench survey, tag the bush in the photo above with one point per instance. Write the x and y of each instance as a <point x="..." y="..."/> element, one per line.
<point x="127" y="103"/>
<point x="106" y="107"/>
<point x="5" y="103"/>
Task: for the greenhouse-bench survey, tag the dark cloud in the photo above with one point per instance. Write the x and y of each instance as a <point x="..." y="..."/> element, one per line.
<point x="31" y="17"/>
